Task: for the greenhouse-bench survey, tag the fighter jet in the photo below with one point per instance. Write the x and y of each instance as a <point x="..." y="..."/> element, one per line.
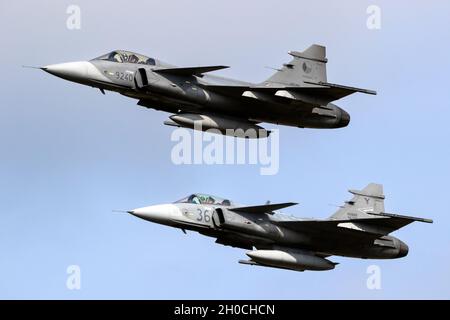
<point x="360" y="229"/>
<point x="297" y="94"/>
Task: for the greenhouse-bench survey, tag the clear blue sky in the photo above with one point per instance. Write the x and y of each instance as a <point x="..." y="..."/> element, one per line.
<point x="69" y="155"/>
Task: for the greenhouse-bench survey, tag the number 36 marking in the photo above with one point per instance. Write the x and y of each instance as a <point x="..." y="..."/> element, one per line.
<point x="203" y="215"/>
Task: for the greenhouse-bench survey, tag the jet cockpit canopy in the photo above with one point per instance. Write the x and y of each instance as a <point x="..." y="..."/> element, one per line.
<point x="122" y="56"/>
<point x="199" y="198"/>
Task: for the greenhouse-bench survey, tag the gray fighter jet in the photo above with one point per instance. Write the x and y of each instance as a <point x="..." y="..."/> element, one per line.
<point x="297" y="95"/>
<point x="359" y="229"/>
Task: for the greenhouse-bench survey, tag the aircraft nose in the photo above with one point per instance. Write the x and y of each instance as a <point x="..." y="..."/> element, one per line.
<point x="69" y="70"/>
<point x="345" y="119"/>
<point x="403" y="250"/>
<point x="159" y="213"/>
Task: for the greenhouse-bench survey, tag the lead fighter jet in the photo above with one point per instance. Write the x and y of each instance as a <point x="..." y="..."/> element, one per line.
<point x="297" y="95"/>
<point x="359" y="229"/>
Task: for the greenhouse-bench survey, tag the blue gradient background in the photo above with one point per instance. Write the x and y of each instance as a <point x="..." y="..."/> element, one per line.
<point x="69" y="155"/>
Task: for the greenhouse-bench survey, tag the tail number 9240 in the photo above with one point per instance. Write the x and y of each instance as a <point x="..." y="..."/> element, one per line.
<point x="124" y="76"/>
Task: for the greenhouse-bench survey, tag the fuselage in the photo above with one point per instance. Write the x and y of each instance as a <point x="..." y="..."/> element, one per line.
<point x="246" y="230"/>
<point x="176" y="94"/>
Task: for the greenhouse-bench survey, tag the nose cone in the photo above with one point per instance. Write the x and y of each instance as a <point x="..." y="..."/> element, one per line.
<point x="403" y="250"/>
<point x="345" y="119"/>
<point x="160" y="213"/>
<point x="73" y="71"/>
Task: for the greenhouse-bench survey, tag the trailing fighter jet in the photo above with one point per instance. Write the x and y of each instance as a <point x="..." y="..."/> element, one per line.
<point x="297" y="95"/>
<point x="360" y="229"/>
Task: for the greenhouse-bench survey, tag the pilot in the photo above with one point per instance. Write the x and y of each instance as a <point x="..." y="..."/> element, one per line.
<point x="117" y="57"/>
<point x="133" y="58"/>
<point x="209" y="200"/>
<point x="226" y="202"/>
<point x="193" y="199"/>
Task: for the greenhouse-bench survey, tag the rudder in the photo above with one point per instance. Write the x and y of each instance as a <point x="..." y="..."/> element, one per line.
<point x="306" y="66"/>
<point x="369" y="199"/>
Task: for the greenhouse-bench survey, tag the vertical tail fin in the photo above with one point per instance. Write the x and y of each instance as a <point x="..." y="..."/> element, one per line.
<point x="309" y="65"/>
<point x="369" y="199"/>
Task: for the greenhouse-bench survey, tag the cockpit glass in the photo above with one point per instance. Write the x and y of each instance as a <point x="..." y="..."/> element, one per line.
<point x="126" y="57"/>
<point x="198" y="198"/>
